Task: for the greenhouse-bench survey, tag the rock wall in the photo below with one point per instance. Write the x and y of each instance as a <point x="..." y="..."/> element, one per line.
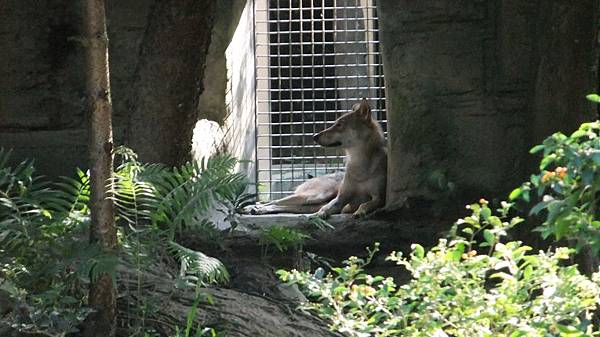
<point x="41" y="83"/>
<point x="157" y="58"/>
<point x="227" y="105"/>
<point x="471" y="85"/>
<point x="168" y="80"/>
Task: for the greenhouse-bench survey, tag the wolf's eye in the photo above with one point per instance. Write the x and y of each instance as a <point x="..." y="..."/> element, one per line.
<point x="339" y="124"/>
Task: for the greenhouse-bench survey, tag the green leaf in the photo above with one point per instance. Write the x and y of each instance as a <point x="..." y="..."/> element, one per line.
<point x="538" y="207"/>
<point x="536" y="149"/>
<point x="596" y="156"/>
<point x="486" y="213"/>
<point x="418" y="250"/>
<point x="593" y="98"/>
<point x="489" y="236"/>
<point x="579" y="134"/>
<point x="569" y="331"/>
<point x="547" y="161"/>
<point x="515" y="194"/>
<point x="468" y="230"/>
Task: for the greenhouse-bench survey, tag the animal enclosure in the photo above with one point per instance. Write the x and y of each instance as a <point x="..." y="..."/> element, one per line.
<point x="314" y="59"/>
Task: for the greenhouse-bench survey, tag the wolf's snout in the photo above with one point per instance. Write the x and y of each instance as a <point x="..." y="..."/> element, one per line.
<point x="316" y="137"/>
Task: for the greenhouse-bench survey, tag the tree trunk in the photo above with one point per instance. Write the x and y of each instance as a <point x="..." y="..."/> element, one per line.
<point x="102" y="296"/>
<point x="168" y="80"/>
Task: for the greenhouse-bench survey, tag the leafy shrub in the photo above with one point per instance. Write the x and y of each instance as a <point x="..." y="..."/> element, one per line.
<point x="567" y="188"/>
<point x="157" y="203"/>
<point x="456" y="291"/>
<point x="46" y="259"/>
<point x="47" y="262"/>
<point x="285" y="238"/>
<point x="282" y="238"/>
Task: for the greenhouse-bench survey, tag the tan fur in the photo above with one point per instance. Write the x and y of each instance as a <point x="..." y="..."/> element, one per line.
<point x="309" y="197"/>
<point x="361" y="189"/>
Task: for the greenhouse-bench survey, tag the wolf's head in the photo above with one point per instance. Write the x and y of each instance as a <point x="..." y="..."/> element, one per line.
<point x="351" y="129"/>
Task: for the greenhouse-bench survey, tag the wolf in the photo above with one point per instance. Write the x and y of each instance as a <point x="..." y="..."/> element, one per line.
<point x="360" y="189"/>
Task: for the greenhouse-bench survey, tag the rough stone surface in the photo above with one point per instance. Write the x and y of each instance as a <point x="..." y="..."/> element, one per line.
<point x="232" y="312"/>
<point x="41" y="93"/>
<point x="168" y="80"/>
<point x="42" y="104"/>
<point x="471" y="85"/>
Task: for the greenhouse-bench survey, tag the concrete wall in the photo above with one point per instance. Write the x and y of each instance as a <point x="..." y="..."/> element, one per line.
<point x="227" y="107"/>
<point x="42" y="105"/>
<point x="471" y="85"/>
<point x="41" y="94"/>
<point x="240" y="122"/>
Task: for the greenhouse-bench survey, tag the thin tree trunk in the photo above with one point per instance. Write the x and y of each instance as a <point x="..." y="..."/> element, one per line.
<point x="102" y="298"/>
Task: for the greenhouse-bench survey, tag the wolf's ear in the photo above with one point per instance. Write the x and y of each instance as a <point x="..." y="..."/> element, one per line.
<point x="364" y="109"/>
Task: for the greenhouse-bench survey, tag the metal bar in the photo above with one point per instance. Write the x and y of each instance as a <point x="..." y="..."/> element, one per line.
<point x="309" y="77"/>
<point x="320" y="7"/>
<point x="324" y="34"/>
<point x="296" y="123"/>
<point x="319" y="31"/>
<point x="325" y="66"/>
<point x="325" y="20"/>
<point x="296" y="158"/>
<point x="315" y="55"/>
<point x="324" y="111"/>
<point x="337" y="42"/>
<point x="302" y="91"/>
<point x="312" y="77"/>
<point x="291" y="85"/>
<point x="254" y="35"/>
<point x="271" y="155"/>
<point x="322" y="100"/>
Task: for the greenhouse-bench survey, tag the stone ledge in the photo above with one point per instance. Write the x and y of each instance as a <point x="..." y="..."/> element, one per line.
<point x="254" y="222"/>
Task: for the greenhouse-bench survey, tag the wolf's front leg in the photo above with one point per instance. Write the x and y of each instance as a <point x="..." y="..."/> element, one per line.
<point x="333" y="207"/>
<point x="368" y="207"/>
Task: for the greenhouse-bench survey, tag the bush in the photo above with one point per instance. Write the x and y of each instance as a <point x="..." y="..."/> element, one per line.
<point x="567" y="188"/>
<point x="456" y="291"/>
<point x="47" y="261"/>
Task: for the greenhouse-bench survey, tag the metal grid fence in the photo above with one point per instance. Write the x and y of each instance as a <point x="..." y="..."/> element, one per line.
<point x="314" y="60"/>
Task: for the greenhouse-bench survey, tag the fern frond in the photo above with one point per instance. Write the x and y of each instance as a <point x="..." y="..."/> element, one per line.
<point x="198" y="267"/>
<point x="134" y="199"/>
<point x="194" y="187"/>
<point x="134" y="194"/>
<point x="74" y="194"/>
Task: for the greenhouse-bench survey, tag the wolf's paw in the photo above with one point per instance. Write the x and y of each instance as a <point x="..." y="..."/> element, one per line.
<point x="360" y="213"/>
<point x="322" y="214"/>
<point x="252" y="209"/>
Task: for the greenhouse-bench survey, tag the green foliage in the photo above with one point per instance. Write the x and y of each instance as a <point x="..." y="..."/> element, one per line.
<point x="285" y="238"/>
<point x="45" y="258"/>
<point x="456" y="291"/>
<point x="168" y="201"/>
<point x="593" y="98"/>
<point x="159" y="204"/>
<point x="282" y="238"/>
<point x="567" y="187"/>
<point x="196" y="267"/>
<point x="177" y="197"/>
<point x="47" y="262"/>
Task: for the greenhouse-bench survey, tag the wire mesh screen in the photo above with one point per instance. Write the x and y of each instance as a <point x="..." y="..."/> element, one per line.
<point x="314" y="60"/>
